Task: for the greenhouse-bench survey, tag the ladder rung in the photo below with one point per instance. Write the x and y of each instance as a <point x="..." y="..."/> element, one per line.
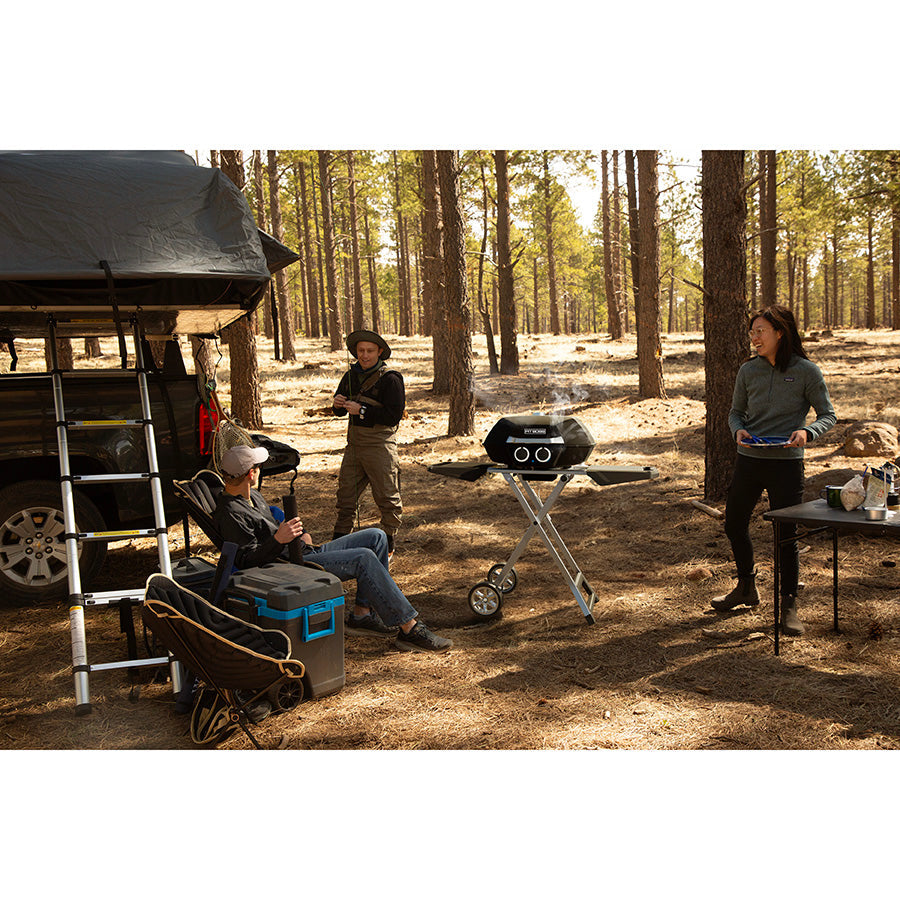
<point x="115" y="535"/>
<point x="118" y="478"/>
<point x="99" y="598"/>
<point x="130" y="663"/>
<point x="105" y="423"/>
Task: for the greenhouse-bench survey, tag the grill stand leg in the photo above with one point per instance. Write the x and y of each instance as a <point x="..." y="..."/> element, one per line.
<point x="538" y="513"/>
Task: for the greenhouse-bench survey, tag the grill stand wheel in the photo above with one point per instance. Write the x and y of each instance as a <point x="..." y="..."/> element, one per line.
<point x="485" y="599"/>
<point x="508" y="584"/>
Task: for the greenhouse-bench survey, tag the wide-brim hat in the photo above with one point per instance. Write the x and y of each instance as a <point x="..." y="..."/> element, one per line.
<point x="355" y="337"/>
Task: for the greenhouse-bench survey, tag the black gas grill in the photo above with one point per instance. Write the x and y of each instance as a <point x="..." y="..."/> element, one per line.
<point x="539" y="442"/>
<point x="536" y="448"/>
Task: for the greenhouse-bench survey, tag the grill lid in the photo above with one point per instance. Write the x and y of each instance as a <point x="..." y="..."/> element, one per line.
<point x="539" y="442"/>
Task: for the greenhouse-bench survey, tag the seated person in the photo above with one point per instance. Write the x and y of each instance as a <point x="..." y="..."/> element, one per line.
<point x="244" y="518"/>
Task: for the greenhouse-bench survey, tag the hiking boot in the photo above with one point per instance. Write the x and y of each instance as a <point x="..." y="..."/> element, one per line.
<point x="790" y="623"/>
<point x="369" y="624"/>
<point x="421" y="639"/>
<point x="256" y="711"/>
<point x="744" y="593"/>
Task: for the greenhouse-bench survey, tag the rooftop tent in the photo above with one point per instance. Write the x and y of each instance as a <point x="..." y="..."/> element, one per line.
<point x="183" y="251"/>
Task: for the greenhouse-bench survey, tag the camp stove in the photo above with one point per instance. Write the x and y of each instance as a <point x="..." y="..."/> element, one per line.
<point x="536" y="448"/>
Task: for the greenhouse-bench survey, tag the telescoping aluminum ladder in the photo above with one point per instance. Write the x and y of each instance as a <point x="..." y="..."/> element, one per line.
<point x="78" y="600"/>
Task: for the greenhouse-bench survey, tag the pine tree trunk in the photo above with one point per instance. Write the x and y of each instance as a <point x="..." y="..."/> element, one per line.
<point x="358" y="316"/>
<point x="320" y="266"/>
<point x="262" y="222"/>
<point x="335" y="328"/>
<point x="870" y="278"/>
<point x="767" y="228"/>
<point x="246" y="406"/>
<point x="373" y="278"/>
<point x="649" y="346"/>
<point x="285" y="315"/>
<point x="311" y="280"/>
<point x="551" y="255"/>
<point x="612" y="300"/>
<point x="618" y="263"/>
<point x="725" y="320"/>
<point x="434" y="273"/>
<point x="634" y="228"/>
<point x="459" y="317"/>
<point x="506" y="300"/>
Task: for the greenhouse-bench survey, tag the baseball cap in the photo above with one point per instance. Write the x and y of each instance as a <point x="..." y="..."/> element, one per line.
<point x="241" y="459"/>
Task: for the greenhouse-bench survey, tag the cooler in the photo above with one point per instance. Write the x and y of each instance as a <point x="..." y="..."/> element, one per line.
<point x="307" y="604"/>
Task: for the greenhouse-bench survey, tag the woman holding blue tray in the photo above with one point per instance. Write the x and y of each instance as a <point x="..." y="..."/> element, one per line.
<point x="773" y="394"/>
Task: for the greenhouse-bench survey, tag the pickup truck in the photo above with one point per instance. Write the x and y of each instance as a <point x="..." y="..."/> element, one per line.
<point x="32" y="548"/>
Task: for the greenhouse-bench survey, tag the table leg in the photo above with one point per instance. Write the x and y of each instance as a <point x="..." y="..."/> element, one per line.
<point x="776" y="565"/>
<point x="834" y="575"/>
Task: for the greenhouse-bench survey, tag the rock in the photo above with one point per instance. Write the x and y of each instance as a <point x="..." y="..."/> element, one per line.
<point x="699" y="574"/>
<point x="871" y="439"/>
<point x="815" y="484"/>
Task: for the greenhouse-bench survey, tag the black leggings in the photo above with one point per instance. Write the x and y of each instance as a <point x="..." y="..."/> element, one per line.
<point x="783" y="480"/>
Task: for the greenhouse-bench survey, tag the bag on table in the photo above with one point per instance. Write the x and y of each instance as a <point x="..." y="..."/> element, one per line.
<point x="853" y="493"/>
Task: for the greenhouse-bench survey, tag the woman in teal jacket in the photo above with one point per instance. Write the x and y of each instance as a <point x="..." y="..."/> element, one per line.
<point x="773" y="394"/>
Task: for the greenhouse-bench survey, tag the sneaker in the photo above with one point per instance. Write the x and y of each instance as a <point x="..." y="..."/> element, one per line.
<point x="368" y="624"/>
<point x="421" y="639"/>
<point x="390" y="540"/>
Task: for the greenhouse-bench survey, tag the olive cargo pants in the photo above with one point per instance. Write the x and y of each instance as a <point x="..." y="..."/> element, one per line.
<point x="370" y="460"/>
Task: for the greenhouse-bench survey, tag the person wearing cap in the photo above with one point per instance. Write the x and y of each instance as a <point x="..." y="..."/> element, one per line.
<point x="243" y="517"/>
<point x="374" y="398"/>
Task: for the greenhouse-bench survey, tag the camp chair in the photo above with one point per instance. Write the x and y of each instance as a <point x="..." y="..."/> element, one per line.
<point x="199" y="496"/>
<point x="226" y="653"/>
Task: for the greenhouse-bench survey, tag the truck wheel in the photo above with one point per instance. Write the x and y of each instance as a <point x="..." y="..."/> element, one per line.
<point x="33" y="566"/>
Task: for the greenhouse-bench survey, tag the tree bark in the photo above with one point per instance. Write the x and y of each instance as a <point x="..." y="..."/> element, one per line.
<point x="373" y="278"/>
<point x="506" y="302"/>
<point x="618" y="263"/>
<point x="358" y="315"/>
<point x="767" y="228"/>
<point x="335" y="327"/>
<point x="725" y="320"/>
<point x="649" y="346"/>
<point x="312" y="284"/>
<point x="551" y="255"/>
<point x="609" y="280"/>
<point x="246" y="406"/>
<point x="459" y="317"/>
<point x="285" y="316"/>
<point x="634" y="228"/>
<point x="262" y="222"/>
<point x="434" y="272"/>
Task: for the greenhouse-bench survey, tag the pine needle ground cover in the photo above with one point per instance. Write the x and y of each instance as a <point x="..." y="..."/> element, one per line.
<point x="659" y="670"/>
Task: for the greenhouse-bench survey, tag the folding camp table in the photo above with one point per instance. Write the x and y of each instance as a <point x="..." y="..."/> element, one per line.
<point x="486" y="597"/>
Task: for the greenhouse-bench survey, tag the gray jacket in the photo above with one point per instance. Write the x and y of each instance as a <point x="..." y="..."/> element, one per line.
<point x="770" y="403"/>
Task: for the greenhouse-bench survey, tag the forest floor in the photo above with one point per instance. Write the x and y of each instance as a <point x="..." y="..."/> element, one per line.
<point x="659" y="670"/>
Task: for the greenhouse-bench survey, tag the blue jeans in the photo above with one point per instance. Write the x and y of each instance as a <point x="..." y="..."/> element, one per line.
<point x="363" y="555"/>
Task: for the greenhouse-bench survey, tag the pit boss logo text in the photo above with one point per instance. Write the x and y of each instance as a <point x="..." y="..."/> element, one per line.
<point x="540" y="431"/>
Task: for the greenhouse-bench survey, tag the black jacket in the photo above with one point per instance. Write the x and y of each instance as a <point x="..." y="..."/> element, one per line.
<point x="383" y="400"/>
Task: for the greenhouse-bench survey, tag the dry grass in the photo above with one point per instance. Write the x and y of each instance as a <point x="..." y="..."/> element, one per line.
<point x="658" y="671"/>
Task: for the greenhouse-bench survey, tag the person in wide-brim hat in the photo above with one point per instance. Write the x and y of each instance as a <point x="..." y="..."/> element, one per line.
<point x="363" y="335"/>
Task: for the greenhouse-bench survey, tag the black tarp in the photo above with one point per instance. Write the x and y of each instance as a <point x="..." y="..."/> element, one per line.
<point x="181" y="243"/>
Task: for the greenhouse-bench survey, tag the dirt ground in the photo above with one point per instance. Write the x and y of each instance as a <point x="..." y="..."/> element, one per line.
<point x="658" y="671"/>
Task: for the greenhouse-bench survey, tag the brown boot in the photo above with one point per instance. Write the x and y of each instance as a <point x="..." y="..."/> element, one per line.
<point x="790" y="624"/>
<point x="743" y="594"/>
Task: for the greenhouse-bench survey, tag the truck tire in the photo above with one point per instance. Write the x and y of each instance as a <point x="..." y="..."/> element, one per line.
<point x="33" y="566"/>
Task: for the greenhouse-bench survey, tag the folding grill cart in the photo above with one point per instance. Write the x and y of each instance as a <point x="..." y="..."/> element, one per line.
<point x="486" y="597"/>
